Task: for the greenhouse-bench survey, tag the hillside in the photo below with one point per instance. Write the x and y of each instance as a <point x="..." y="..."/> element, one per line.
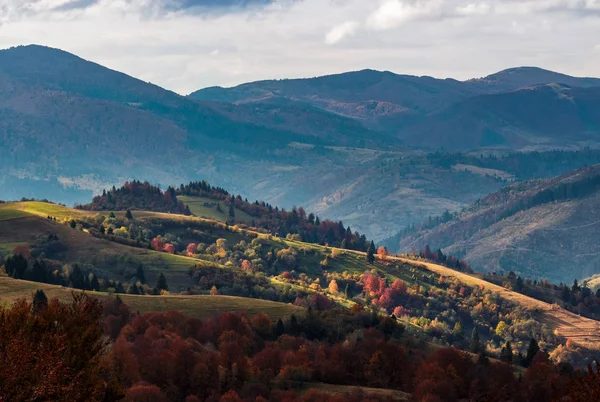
<point x="537" y="229"/>
<point x="552" y="114"/>
<point x="199" y="256"/>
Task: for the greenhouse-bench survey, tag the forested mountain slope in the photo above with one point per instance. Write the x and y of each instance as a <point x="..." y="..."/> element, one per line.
<point x="538" y="229"/>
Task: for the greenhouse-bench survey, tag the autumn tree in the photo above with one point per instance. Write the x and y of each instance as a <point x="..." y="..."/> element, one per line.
<point x="382" y="253"/>
<point x="52" y="353"/>
<point x="214" y="291"/>
<point x="333" y="287"/>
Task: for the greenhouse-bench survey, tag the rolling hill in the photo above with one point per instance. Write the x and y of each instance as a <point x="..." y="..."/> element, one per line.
<point x="538" y="229"/>
<point x="23" y="224"/>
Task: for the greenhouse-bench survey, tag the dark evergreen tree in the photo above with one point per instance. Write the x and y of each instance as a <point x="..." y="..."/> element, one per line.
<point x="39" y="273"/>
<point x="532" y="349"/>
<point x="39" y="302"/>
<point x="475" y="345"/>
<point x="102" y="230"/>
<point x="371" y="253"/>
<point x="133" y="289"/>
<point x="112" y="215"/>
<point x="76" y="277"/>
<point x="279" y="328"/>
<point x="294" y="326"/>
<point x="129" y="215"/>
<point x="161" y="284"/>
<point x="110" y="230"/>
<point x="140" y="274"/>
<point x="16" y="266"/>
<point x="94" y="283"/>
<point x="506" y="354"/>
<point x="72" y="223"/>
<point x="232" y="207"/>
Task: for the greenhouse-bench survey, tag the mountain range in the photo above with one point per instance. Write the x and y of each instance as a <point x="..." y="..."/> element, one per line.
<point x="362" y="147"/>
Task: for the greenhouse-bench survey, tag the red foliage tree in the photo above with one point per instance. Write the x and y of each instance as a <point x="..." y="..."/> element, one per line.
<point x="53" y="353"/>
<point x="145" y="393"/>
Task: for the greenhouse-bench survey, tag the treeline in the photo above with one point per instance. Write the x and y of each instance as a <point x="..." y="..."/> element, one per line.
<point x="137" y="195"/>
<point x="280" y="222"/>
<point x="84" y="350"/>
<point x="523" y="165"/>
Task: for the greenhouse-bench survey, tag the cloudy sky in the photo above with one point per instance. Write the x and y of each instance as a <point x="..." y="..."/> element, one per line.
<point x="185" y="45"/>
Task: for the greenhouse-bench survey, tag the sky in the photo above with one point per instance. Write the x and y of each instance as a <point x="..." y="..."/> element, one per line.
<point x="185" y="45"/>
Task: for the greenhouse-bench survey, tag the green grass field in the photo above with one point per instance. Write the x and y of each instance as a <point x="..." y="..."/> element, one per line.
<point x="204" y="208"/>
<point x="195" y="306"/>
<point x="8" y="211"/>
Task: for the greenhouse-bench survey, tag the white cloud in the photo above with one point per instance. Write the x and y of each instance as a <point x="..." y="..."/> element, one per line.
<point x="341" y="31"/>
<point x="474" y="9"/>
<point x="394" y="13"/>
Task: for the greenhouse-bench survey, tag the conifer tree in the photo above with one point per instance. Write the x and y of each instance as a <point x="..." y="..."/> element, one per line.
<point x="38" y="272"/>
<point x="232" y="207"/>
<point x="371" y="253"/>
<point x="128" y="215"/>
<point x="506" y="354"/>
<point x="532" y="349"/>
<point x="40" y="301"/>
<point x="161" y="284"/>
<point x="279" y="328"/>
<point x="475" y="345"/>
<point x="140" y="274"/>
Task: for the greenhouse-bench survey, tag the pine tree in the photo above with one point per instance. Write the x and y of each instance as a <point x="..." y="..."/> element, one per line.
<point x="94" y="283"/>
<point x="371" y="253"/>
<point x="128" y="215"/>
<point x="102" y="230"/>
<point x="140" y="274"/>
<point x="475" y="345"/>
<point x="76" y="278"/>
<point x="506" y="354"/>
<point x="294" y="325"/>
<point x="343" y="244"/>
<point x="532" y="349"/>
<point x="39" y="272"/>
<point x="40" y="301"/>
<point x="112" y="215"/>
<point x="232" y="207"/>
<point x="161" y="284"/>
<point x="133" y="289"/>
<point x="279" y="328"/>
